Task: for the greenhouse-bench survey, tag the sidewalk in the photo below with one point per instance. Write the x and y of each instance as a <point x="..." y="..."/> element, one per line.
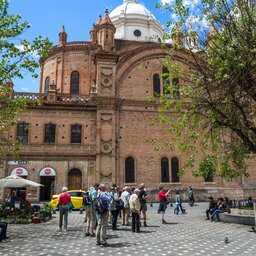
<point x="185" y="235"/>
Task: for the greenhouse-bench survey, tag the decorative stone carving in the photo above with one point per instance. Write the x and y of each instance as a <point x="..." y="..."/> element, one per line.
<point x="106" y="147"/>
<point x="106" y="117"/>
<point x="106" y="166"/>
<point x="106" y="77"/>
<point x="106" y="132"/>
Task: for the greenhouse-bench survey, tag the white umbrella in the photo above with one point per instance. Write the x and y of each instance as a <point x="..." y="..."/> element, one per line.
<point x="14" y="181"/>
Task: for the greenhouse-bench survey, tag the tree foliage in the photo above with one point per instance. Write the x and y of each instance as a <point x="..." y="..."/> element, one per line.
<point x="214" y="115"/>
<point x="17" y="58"/>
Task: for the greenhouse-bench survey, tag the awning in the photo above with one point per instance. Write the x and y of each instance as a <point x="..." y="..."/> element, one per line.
<point x="47" y="171"/>
<point x="19" y="171"/>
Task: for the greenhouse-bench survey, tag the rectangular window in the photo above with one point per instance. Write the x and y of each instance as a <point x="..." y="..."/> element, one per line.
<point x="22" y="133"/>
<point x="49" y="133"/>
<point x="76" y="134"/>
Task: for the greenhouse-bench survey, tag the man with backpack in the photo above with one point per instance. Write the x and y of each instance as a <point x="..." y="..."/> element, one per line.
<point x="101" y="205"/>
<point x="88" y="202"/>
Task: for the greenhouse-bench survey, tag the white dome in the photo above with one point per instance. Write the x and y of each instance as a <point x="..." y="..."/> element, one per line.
<point x="133" y="21"/>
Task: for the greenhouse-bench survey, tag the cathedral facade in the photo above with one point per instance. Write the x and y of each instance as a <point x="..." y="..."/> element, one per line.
<point x="93" y="121"/>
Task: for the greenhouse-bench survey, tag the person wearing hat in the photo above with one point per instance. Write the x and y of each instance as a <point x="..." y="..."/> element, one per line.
<point x="135" y="206"/>
<point x="64" y="200"/>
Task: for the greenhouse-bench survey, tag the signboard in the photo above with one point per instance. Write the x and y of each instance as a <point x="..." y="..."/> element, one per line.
<point x="16" y="162"/>
<point x="47" y="171"/>
<point x="19" y="171"/>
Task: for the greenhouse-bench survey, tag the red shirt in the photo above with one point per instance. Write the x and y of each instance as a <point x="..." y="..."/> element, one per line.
<point x="64" y="198"/>
<point x="161" y="196"/>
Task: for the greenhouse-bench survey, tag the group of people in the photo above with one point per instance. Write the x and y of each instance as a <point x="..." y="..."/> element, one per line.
<point x="100" y="205"/>
<point x="23" y="202"/>
<point x="103" y="206"/>
<point x="217" y="207"/>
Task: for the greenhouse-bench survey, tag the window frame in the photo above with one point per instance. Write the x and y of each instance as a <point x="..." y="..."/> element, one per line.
<point x="156" y="85"/>
<point x="166" y="81"/>
<point x="52" y="137"/>
<point x="74" y="85"/>
<point x="126" y="173"/>
<point x="75" y="135"/>
<point x="167" y="180"/>
<point x="175" y="177"/>
<point x="46" y="84"/>
<point x="23" y="137"/>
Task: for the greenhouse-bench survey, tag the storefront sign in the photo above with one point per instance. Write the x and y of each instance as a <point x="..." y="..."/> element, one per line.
<point x="47" y="171"/>
<point x="19" y="171"/>
<point x="16" y="162"/>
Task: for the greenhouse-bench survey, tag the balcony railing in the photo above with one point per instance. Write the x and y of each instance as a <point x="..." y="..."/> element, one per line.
<point x="72" y="98"/>
<point x="30" y="96"/>
<point x="61" y="98"/>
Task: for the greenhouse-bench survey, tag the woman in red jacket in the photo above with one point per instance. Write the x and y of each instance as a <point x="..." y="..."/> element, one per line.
<point x="162" y="196"/>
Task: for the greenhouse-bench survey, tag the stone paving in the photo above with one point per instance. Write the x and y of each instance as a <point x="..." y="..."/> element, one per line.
<point x="186" y="235"/>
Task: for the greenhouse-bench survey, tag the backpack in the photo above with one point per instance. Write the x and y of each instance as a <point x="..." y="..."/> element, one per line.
<point x="87" y="199"/>
<point x="100" y="205"/>
<point x="120" y="204"/>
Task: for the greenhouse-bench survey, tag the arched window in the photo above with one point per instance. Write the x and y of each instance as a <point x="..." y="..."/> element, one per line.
<point x="156" y="85"/>
<point x="74" y="82"/>
<point x="209" y="177"/>
<point x="49" y="133"/>
<point x="176" y="87"/>
<point x="175" y="169"/>
<point x="22" y="133"/>
<point x="166" y="81"/>
<point x="76" y="133"/>
<point x="165" y="170"/>
<point x="74" y="179"/>
<point x="129" y="170"/>
<point x="46" y="84"/>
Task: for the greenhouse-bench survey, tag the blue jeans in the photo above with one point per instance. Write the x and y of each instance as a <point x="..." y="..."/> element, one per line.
<point x="114" y="218"/>
<point x="162" y="206"/>
<point x="217" y="213"/>
<point x="3" y="226"/>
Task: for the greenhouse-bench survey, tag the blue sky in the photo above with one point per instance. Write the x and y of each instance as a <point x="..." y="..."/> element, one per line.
<point x="47" y="17"/>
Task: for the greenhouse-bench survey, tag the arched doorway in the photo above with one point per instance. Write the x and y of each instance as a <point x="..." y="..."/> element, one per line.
<point x="47" y="178"/>
<point x="74" y="179"/>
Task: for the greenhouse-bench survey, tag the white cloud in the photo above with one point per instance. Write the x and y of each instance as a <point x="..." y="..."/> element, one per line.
<point x="21" y="48"/>
<point x="167" y="1"/>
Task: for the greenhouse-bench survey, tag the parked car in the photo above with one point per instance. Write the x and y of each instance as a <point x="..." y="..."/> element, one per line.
<point x="76" y="199"/>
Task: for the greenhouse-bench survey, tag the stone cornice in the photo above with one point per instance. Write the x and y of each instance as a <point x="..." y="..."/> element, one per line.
<point x="106" y="57"/>
<point x="71" y="46"/>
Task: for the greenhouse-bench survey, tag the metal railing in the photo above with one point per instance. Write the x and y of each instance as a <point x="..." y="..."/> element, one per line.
<point x="241" y="203"/>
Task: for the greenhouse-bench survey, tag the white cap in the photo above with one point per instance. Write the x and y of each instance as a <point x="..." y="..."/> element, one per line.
<point x="64" y="189"/>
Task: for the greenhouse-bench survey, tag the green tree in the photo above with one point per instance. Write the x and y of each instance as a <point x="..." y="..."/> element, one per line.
<point x="17" y="57"/>
<point x="214" y="115"/>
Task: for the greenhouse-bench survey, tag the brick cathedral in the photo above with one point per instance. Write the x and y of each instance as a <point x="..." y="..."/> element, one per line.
<point x="93" y="124"/>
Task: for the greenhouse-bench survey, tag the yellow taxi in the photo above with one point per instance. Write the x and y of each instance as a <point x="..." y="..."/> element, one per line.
<point x="76" y="199"/>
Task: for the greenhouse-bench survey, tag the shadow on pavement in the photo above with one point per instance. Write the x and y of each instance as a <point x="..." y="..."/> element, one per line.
<point x="147" y="231"/>
<point x="153" y="226"/>
<point x="118" y="245"/>
<point x="112" y="236"/>
<point x="170" y="223"/>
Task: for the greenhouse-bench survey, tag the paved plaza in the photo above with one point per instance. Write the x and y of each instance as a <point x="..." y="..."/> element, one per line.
<point x="188" y="234"/>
